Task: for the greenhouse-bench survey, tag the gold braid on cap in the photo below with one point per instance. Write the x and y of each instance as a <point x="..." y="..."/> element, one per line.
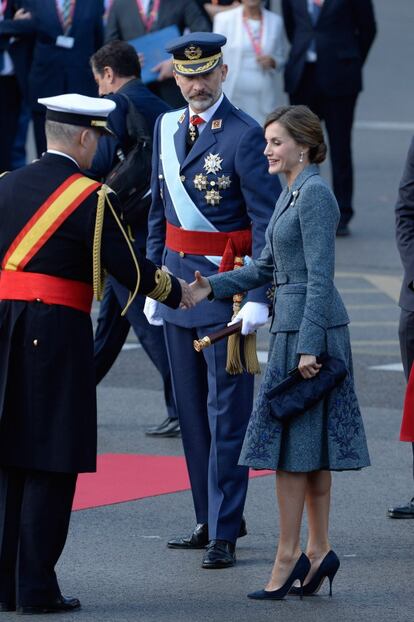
<point x="185" y="66"/>
<point x="163" y="286"/>
<point x="98" y="274"/>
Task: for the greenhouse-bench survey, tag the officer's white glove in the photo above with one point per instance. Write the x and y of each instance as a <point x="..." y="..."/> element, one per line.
<point x="254" y="315"/>
<point x="152" y="312"/>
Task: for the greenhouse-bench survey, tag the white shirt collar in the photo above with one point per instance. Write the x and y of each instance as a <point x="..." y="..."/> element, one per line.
<point x="206" y="115"/>
<point x="65" y="155"/>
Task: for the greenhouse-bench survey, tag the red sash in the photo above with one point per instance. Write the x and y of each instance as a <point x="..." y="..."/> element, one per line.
<point x="228" y="244"/>
<point x="50" y="290"/>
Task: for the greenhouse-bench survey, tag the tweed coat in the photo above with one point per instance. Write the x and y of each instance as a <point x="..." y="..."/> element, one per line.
<point x="309" y="317"/>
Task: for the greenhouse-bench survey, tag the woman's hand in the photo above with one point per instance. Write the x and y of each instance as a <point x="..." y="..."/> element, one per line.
<point x="200" y="288"/>
<point x="266" y="62"/>
<point x="308" y="367"/>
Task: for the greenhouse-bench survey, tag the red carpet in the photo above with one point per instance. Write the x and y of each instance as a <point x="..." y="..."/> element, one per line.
<point x="126" y="477"/>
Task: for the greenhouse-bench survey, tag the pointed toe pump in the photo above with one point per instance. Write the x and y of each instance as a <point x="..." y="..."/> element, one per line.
<point x="298" y="573"/>
<point x="327" y="570"/>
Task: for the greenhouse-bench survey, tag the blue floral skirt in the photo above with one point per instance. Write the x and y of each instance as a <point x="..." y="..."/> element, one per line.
<point x="329" y="436"/>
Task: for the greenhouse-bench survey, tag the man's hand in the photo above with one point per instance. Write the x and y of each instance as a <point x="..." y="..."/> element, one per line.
<point x="308" y="367"/>
<point x="187" y="299"/>
<point x="254" y="315"/>
<point x="200" y="288"/>
<point x="164" y="70"/>
<point x="266" y="62"/>
<point x="22" y="14"/>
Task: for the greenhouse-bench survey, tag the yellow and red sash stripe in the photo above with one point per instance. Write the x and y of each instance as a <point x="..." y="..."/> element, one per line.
<point x="54" y="211"/>
<point x="15" y="284"/>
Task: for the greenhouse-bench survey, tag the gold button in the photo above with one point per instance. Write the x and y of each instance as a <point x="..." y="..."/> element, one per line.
<point x="182" y="254"/>
<point x="38" y="300"/>
<point x="35" y="342"/>
<point x="182" y="177"/>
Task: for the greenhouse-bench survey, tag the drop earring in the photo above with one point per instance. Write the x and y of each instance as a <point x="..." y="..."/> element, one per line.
<point x="301" y="156"/>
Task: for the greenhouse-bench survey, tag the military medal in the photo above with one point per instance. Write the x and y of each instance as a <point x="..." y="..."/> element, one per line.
<point x="213" y="197"/>
<point x="223" y="182"/>
<point x="200" y="182"/>
<point x="212" y="163"/>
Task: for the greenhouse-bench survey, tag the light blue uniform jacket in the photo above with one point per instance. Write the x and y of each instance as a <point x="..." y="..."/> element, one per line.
<point x="299" y="256"/>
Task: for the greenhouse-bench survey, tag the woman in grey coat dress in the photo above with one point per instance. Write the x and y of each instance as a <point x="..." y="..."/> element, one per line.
<point x="309" y="318"/>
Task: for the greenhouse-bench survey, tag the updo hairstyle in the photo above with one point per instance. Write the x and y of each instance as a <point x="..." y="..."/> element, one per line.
<point x="303" y="126"/>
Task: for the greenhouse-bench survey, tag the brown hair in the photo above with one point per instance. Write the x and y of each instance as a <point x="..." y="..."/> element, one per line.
<point x="303" y="126"/>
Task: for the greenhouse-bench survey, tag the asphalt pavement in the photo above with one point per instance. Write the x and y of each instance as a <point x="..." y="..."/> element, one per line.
<point x="116" y="560"/>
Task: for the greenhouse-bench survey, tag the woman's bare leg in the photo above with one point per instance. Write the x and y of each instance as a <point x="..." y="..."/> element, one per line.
<point x="290" y="491"/>
<point x="318" y="495"/>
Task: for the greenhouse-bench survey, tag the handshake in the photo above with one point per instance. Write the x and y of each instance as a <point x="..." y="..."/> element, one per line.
<point x="252" y="314"/>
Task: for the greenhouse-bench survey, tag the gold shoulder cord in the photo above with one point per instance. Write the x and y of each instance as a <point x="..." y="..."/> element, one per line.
<point x="98" y="275"/>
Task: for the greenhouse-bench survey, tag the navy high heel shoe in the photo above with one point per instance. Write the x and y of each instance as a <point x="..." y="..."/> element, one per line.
<point x="298" y="573"/>
<point x="327" y="569"/>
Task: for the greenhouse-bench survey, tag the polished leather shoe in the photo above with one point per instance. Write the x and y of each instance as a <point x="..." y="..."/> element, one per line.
<point x="169" y="428"/>
<point x="6" y="606"/>
<point x="402" y="511"/>
<point x="219" y="554"/>
<point x="198" y="539"/>
<point x="59" y="605"/>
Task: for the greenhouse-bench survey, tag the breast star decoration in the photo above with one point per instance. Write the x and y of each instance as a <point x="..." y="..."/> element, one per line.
<point x="213" y="197"/>
<point x="223" y="182"/>
<point x="212" y="166"/>
<point x="212" y="163"/>
<point x="200" y="182"/>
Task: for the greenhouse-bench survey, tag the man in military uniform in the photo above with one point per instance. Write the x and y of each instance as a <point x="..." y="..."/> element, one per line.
<point x="212" y="199"/>
<point x="47" y="377"/>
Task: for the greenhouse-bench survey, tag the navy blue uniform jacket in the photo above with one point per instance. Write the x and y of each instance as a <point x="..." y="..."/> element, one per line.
<point x="249" y="201"/>
<point x="343" y="35"/>
<point x="47" y="374"/>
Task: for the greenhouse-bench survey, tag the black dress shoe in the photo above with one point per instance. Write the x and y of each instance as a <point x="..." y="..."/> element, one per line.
<point x="6" y="606"/>
<point x="198" y="539"/>
<point x="402" y="511"/>
<point x="169" y="428"/>
<point x="219" y="554"/>
<point x="59" y="605"/>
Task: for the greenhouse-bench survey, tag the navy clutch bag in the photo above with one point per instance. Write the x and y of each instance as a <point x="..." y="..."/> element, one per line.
<point x="294" y="395"/>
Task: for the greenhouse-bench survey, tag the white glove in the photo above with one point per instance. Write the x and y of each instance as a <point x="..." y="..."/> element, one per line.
<point x="254" y="315"/>
<point x="152" y="312"/>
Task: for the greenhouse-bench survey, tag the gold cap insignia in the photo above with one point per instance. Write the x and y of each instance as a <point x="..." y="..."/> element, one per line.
<point x="193" y="52"/>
